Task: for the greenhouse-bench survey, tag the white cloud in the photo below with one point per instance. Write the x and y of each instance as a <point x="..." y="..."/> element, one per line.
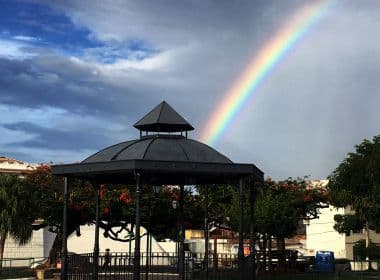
<point x="41" y="116"/>
<point x="26" y="38"/>
<point x="14" y="50"/>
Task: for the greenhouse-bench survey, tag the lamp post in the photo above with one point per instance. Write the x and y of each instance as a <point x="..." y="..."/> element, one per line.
<point x="175" y="207"/>
<point x="148" y="235"/>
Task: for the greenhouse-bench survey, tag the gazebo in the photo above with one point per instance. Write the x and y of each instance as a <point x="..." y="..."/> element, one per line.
<point x="163" y="155"/>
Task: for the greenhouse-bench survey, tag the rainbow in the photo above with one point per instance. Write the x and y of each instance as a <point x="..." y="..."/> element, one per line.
<point x="261" y="66"/>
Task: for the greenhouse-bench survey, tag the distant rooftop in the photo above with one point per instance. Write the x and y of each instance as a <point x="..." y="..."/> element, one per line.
<point x="14" y="166"/>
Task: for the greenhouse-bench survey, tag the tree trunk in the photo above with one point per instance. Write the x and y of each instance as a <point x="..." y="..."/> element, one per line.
<point x="55" y="250"/>
<point x="215" y="255"/>
<point x="3" y="236"/>
<point x="367" y="240"/>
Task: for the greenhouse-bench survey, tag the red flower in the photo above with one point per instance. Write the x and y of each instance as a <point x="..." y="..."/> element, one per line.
<point x="103" y="191"/>
<point x="124" y="197"/>
<point x="106" y="210"/>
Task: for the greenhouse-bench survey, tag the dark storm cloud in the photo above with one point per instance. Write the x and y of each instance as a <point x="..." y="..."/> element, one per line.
<point x="58" y="82"/>
<point x="50" y="138"/>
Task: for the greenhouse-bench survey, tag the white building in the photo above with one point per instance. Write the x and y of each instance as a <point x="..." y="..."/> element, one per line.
<point x="321" y="235"/>
<point x="36" y="249"/>
<point x="85" y="242"/>
<point x="13" y="166"/>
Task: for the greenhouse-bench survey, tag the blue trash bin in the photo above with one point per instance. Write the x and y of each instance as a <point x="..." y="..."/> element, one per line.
<point x="324" y="261"/>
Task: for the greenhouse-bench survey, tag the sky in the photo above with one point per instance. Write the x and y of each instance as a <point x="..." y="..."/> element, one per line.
<point x="76" y="75"/>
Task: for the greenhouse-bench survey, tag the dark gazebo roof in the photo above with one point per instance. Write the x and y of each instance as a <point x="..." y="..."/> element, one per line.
<point x="163" y="118"/>
<point x="160" y="147"/>
<point x="160" y="158"/>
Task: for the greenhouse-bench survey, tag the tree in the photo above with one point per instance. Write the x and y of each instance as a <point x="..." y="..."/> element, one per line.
<point x="17" y="211"/>
<point x="117" y="208"/>
<point x="49" y="198"/>
<point x="356" y="183"/>
<point x="223" y="207"/>
<point x="281" y="205"/>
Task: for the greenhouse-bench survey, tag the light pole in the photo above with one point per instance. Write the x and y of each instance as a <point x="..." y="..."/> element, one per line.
<point x="175" y="206"/>
<point x="147" y="240"/>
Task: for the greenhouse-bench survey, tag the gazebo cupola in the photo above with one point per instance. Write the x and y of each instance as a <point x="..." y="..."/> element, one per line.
<point x="163" y="119"/>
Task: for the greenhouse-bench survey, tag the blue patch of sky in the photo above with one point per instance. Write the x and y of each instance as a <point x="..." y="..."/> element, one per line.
<point x="54" y="30"/>
<point x="50" y="28"/>
<point x="133" y="49"/>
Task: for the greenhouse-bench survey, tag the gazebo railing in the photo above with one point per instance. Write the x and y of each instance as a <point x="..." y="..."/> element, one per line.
<point x="157" y="266"/>
<point x="160" y="266"/>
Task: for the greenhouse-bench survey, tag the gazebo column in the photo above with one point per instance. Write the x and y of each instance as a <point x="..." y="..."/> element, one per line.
<point x="206" y="233"/>
<point x="136" y="262"/>
<point x="64" y="230"/>
<point x="96" y="243"/>
<point x="241" y="248"/>
<point x="181" y="255"/>
<point x="252" y="236"/>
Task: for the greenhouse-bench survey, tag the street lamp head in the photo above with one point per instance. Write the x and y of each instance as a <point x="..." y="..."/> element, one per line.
<point x="175" y="204"/>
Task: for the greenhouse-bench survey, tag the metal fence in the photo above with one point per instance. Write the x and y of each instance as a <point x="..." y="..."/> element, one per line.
<point x="18" y="262"/>
<point x="164" y="266"/>
<point x="120" y="266"/>
<point x="18" y="266"/>
<point x="160" y="266"/>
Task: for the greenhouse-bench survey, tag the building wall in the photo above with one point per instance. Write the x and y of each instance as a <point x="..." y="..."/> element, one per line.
<point x="320" y="234"/>
<point x="355" y="237"/>
<point x="13" y="166"/>
<point x="38" y="247"/>
<point x="85" y="242"/>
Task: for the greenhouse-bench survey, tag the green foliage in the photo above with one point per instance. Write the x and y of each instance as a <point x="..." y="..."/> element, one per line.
<point x="221" y="203"/>
<point x="280" y="205"/>
<point x="275" y="214"/>
<point x="356" y="182"/>
<point x="346" y="223"/>
<point x="164" y="219"/>
<point x="48" y="194"/>
<point x="223" y="206"/>
<point x="18" y="210"/>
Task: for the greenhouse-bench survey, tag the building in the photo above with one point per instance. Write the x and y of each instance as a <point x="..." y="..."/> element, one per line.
<point x="13" y="166"/>
<point x="84" y="243"/>
<point x="321" y="235"/>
